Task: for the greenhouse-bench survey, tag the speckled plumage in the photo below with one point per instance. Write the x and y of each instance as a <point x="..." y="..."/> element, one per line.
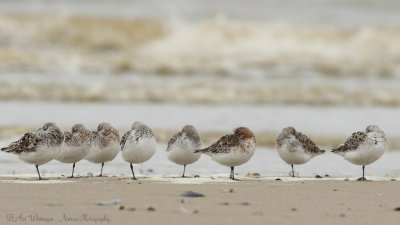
<point x="372" y="135"/>
<point x="352" y="143"/>
<point x="138" y="131"/>
<point x="188" y="132"/>
<point x="78" y="136"/>
<point x="104" y="136"/>
<point x="363" y="148"/>
<point x="181" y="147"/>
<point x="138" y="144"/>
<point x="38" y="147"/>
<point x="233" y="149"/>
<point x="76" y="145"/>
<point x="295" y="147"/>
<point x="293" y="139"/>
<point x="229" y="142"/>
<point x="49" y="135"/>
<point x="104" y="145"/>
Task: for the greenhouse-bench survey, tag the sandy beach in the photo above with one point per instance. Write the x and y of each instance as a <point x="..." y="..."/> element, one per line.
<point x="158" y="201"/>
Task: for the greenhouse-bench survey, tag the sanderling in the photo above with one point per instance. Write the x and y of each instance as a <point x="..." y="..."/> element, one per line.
<point x="296" y="148"/>
<point x="38" y="147"/>
<point x="138" y="145"/>
<point x="233" y="149"/>
<point x="104" y="145"/>
<point x="363" y="148"/>
<point x="76" y="145"/>
<point x="182" y="145"/>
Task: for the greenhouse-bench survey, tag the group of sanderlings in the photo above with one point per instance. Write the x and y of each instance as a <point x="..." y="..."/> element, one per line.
<point x="139" y="144"/>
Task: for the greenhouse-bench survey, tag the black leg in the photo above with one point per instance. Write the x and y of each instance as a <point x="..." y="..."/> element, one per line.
<point x="184" y="168"/>
<point x="101" y="171"/>
<point x="133" y="174"/>
<point x="363" y="177"/>
<point x="73" y="168"/>
<point x="292" y="171"/>
<point x="363" y="167"/>
<point x="232" y="173"/>
<point x="37" y="169"/>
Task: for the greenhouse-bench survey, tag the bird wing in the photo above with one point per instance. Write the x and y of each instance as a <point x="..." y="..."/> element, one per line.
<point x="223" y="145"/>
<point x="111" y="134"/>
<point x="307" y="143"/>
<point x="173" y="140"/>
<point x="27" y="143"/>
<point x="352" y="142"/>
<point x="125" y="138"/>
<point x="70" y="139"/>
<point x="280" y="140"/>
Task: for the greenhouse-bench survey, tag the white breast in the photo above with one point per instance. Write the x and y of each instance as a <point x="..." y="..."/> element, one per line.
<point x="368" y="152"/>
<point x="295" y="155"/>
<point x="182" y="152"/>
<point x="72" y="154"/>
<point x="139" y="152"/>
<point x="236" y="156"/>
<point x="105" y="154"/>
<point x="42" y="155"/>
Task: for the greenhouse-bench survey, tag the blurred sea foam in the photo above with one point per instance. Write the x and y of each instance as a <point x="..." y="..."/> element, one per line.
<point x="226" y="52"/>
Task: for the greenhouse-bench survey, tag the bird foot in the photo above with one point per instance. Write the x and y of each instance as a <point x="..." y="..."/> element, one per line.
<point x="362" y="179"/>
<point x="133" y="178"/>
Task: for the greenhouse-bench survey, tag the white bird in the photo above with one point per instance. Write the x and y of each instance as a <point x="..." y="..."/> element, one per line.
<point x="233" y="149"/>
<point x="76" y="145"/>
<point x="104" y="145"/>
<point x="182" y="145"/>
<point x="138" y="145"/>
<point x="296" y="148"/>
<point x="38" y="147"/>
<point x="363" y="148"/>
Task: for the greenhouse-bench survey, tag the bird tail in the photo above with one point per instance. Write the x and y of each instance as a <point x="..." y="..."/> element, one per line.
<point x="204" y="150"/>
<point x="8" y="149"/>
<point x="338" y="150"/>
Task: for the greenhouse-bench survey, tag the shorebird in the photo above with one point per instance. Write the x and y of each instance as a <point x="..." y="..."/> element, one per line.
<point x="296" y="148"/>
<point x="363" y="148"/>
<point x="138" y="145"/>
<point x="104" y="145"/>
<point x="182" y="145"/>
<point x="38" y="147"/>
<point x="76" y="145"/>
<point x="232" y="149"/>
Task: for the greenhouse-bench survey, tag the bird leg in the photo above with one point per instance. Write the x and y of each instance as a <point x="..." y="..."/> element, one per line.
<point x="133" y="174"/>
<point x="184" y="168"/>
<point x="101" y="171"/>
<point x="37" y="169"/>
<point x="73" y="168"/>
<point x="363" y="177"/>
<point x="292" y="171"/>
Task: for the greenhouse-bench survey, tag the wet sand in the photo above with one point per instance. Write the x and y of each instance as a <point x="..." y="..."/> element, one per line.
<point x="251" y="200"/>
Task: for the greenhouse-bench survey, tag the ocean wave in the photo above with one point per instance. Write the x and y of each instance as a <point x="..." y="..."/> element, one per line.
<point x="199" y="93"/>
<point x="218" y="46"/>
